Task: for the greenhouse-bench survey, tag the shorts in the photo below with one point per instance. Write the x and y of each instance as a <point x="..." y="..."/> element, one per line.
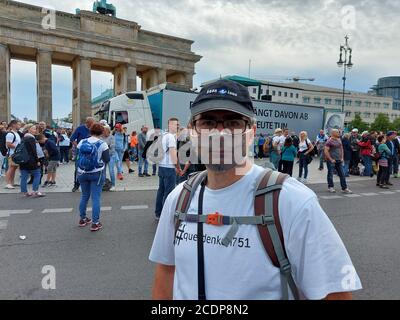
<point x="126" y="156"/>
<point x="11" y="163"/>
<point x="52" y="167"/>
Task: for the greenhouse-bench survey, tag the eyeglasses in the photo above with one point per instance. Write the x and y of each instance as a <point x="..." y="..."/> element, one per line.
<point x="231" y="124"/>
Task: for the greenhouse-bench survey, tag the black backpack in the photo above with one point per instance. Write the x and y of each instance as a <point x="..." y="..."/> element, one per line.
<point x="3" y="146"/>
<point x="21" y="155"/>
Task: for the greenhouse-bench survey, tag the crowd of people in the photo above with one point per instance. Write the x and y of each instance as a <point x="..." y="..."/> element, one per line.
<point x="366" y="154"/>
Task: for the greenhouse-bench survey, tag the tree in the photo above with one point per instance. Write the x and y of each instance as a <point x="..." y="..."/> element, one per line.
<point x="359" y="124"/>
<point x="381" y="123"/>
<point x="396" y="125"/>
<point x="68" y="119"/>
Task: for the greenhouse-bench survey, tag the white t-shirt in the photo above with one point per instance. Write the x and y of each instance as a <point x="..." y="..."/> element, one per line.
<point x="168" y="142"/>
<point x="276" y="140"/>
<point x="303" y="145"/>
<point x="10" y="138"/>
<point x="244" y="271"/>
<point x="66" y="142"/>
<point x="103" y="147"/>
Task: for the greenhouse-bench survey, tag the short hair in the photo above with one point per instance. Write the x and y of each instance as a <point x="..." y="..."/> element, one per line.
<point x="12" y="123"/>
<point x="288" y="142"/>
<point x="381" y="138"/>
<point x="96" y="129"/>
<point x="173" y="119"/>
<point x="40" y="137"/>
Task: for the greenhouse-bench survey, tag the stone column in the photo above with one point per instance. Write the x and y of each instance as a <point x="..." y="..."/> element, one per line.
<point x="150" y="79"/>
<point x="82" y="90"/>
<point x="178" y="78"/>
<point x="44" y="86"/>
<point x="131" y="78"/>
<point x="5" y="109"/>
<point x="124" y="78"/>
<point x="161" y="76"/>
<point x="189" y="80"/>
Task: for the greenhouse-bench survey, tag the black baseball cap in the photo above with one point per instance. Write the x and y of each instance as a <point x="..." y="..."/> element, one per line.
<point x="223" y="95"/>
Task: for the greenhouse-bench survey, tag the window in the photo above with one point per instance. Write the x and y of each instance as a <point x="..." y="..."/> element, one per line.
<point x="285" y="94"/>
<point x="377" y="104"/>
<point x="291" y="94"/>
<point x="357" y="103"/>
<point x="135" y="96"/>
<point x="317" y="100"/>
<point x="280" y="93"/>
<point x="121" y="117"/>
<point x="274" y="93"/>
<point x="367" y="114"/>
<point x="297" y="95"/>
<point x="386" y="105"/>
<point x="254" y="90"/>
<point x="306" y="99"/>
<point x="328" y="101"/>
<point x="267" y="92"/>
<point x="348" y="113"/>
<point x="338" y="102"/>
<point x="368" y="104"/>
<point x="348" y="102"/>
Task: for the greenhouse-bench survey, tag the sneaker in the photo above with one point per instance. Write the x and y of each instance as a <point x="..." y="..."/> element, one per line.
<point x="96" y="227"/>
<point x="52" y="184"/>
<point x="9" y="187"/>
<point x="28" y="194"/>
<point x="120" y="176"/>
<point x="348" y="191"/>
<point x="332" y="190"/>
<point x="153" y="174"/>
<point x="84" y="222"/>
<point x="75" y="189"/>
<point x="141" y="176"/>
<point x="46" y="184"/>
<point x="389" y="184"/>
<point x="112" y="189"/>
<point x="147" y="175"/>
<point x="131" y="171"/>
<point x="382" y="186"/>
<point x="38" y="195"/>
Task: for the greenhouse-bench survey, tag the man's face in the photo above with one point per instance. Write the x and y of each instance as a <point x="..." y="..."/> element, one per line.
<point x="286" y="133"/>
<point x="42" y="125"/>
<point x="222" y="139"/>
<point x="322" y="132"/>
<point x="335" y="134"/>
<point x="173" y="126"/>
<point x="145" y="129"/>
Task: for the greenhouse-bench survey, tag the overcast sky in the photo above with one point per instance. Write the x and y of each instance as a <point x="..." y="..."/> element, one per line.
<point x="283" y="38"/>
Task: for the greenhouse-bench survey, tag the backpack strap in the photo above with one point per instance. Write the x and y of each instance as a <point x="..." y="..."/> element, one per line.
<point x="186" y="196"/>
<point x="266" y="203"/>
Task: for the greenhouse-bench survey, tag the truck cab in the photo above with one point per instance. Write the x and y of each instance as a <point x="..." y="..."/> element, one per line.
<point x="131" y="109"/>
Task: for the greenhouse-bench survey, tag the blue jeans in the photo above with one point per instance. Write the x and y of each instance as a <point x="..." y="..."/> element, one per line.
<point x="303" y="166"/>
<point x="141" y="161"/>
<point x="321" y="158"/>
<point x="368" y="165"/>
<point x="92" y="186"/>
<point x="167" y="183"/>
<point x="120" y="155"/>
<point x="275" y="158"/>
<point x="346" y="167"/>
<point x="339" y="169"/>
<point x="111" y="168"/>
<point x="394" y="169"/>
<point x="133" y="150"/>
<point x="25" y="174"/>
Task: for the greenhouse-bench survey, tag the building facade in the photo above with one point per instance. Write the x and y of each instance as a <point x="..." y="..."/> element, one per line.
<point x="389" y="87"/>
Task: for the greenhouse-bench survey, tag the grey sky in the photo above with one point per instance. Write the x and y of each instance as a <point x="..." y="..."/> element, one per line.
<point x="286" y="37"/>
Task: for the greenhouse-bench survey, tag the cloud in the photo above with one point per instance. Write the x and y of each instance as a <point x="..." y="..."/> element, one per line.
<point x="285" y="37"/>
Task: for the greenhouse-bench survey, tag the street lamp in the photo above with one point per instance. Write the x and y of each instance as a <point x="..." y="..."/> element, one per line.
<point x="346" y="64"/>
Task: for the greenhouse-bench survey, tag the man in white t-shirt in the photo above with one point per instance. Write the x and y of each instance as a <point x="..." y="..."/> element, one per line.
<point x="243" y="271"/>
<point x="168" y="167"/>
<point x="13" y="139"/>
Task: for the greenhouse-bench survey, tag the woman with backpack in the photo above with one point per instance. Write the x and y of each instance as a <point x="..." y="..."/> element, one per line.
<point x="305" y="150"/>
<point x="93" y="157"/>
<point x="31" y="167"/>
<point x="289" y="153"/>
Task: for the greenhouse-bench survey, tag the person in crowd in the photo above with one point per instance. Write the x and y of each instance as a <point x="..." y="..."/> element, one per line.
<point x="13" y="139"/>
<point x="285" y="134"/>
<point x="91" y="175"/>
<point x="393" y="147"/>
<point x="334" y="155"/>
<point x="32" y="167"/>
<point x="126" y="157"/>
<point x="53" y="158"/>
<point x="275" y="152"/>
<point x="133" y="146"/>
<point x="366" y="151"/>
<point x="121" y="144"/>
<point x="355" y="150"/>
<point x="289" y="153"/>
<point x="261" y="142"/>
<point x="347" y="154"/>
<point x="321" y="140"/>
<point x="142" y="140"/>
<point x="305" y="150"/>
<point x="108" y="138"/>
<point x="168" y="168"/>
<point x="82" y="132"/>
<point x="65" y="145"/>
<point x="382" y="180"/>
<point x="395" y="159"/>
<point x="296" y="140"/>
<point x="3" y="150"/>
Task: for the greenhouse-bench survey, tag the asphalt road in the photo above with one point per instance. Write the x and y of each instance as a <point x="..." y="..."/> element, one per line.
<point x="113" y="264"/>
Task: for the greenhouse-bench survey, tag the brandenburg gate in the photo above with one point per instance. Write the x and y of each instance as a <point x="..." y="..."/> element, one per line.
<point x="86" y="41"/>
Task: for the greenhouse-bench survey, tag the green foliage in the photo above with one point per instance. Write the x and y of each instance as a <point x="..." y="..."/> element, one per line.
<point x="381" y="123"/>
<point x="359" y="124"/>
